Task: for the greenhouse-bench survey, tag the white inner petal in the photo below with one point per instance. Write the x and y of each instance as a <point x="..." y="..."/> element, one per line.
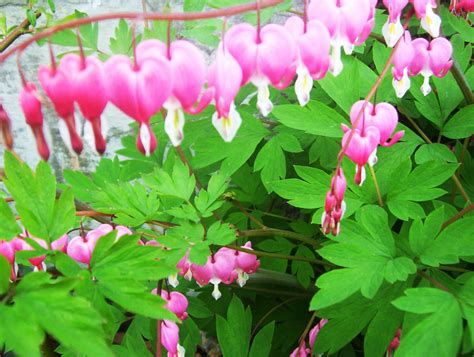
<point x="426" y="88"/>
<point x="403" y="85"/>
<point x="173" y="280"/>
<point x="336" y="65"/>
<point x="227" y="126"/>
<point x="264" y="104"/>
<point x="174" y="124"/>
<point x="145" y="138"/>
<point x="431" y="22"/>
<point x="303" y="86"/>
<point x="392" y="31"/>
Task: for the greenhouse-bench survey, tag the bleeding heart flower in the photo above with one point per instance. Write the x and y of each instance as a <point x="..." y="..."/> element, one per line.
<point x="402" y="60"/>
<point x="313" y="61"/>
<point x="362" y="145"/>
<point x="59" y="87"/>
<point x="392" y="30"/>
<point x="383" y="116"/>
<point x="140" y="92"/>
<point x="266" y="56"/>
<point x="176" y="303"/>
<point x="188" y="80"/>
<point x="346" y="21"/>
<point x="244" y="263"/>
<point x="218" y="269"/>
<point x="395" y="342"/>
<point x="90" y="91"/>
<point x="430" y="22"/>
<point x="301" y="351"/>
<point x="431" y="58"/>
<point x="170" y="339"/>
<point x="463" y="5"/>
<point x="225" y="77"/>
<point x="6" y="128"/>
<point x="31" y="105"/>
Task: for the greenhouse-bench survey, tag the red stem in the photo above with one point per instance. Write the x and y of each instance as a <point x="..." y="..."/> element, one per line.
<point x="190" y="16"/>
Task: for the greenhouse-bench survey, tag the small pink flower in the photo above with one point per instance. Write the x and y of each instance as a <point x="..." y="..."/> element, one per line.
<point x="383" y="116"/>
<point x="31" y="105"/>
<point x="90" y="92"/>
<point x="392" y="30"/>
<point x="59" y="87"/>
<point x="431" y="58"/>
<point x="267" y="57"/>
<point x="244" y="263"/>
<point x="430" y="22"/>
<point x="361" y="147"/>
<point x="301" y="351"/>
<point x="225" y="77"/>
<point x="140" y="92"/>
<point x="313" y="61"/>
<point x="188" y="77"/>
<point x="346" y="21"/>
<point x="395" y="342"/>
<point x="402" y="60"/>
<point x="170" y="337"/>
<point x="218" y="269"/>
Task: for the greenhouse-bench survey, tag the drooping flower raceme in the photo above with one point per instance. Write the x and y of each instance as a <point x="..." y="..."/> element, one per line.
<point x="313" y="45"/>
<point x="430" y="21"/>
<point x="139" y="90"/>
<point x="225" y="77"/>
<point x="90" y="92"/>
<point x="266" y="56"/>
<point x="59" y="86"/>
<point x="431" y="58"/>
<point x="188" y="70"/>
<point x="392" y="30"/>
<point x="346" y="21"/>
<point x="334" y="206"/>
<point x="401" y="60"/>
<point x="31" y="106"/>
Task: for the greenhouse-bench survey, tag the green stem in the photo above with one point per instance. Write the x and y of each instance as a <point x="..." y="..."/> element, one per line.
<point x="432" y="281"/>
<point x="376" y="184"/>
<point x="458" y="215"/>
<point x="462" y="83"/>
<point x="269" y="232"/>
<point x="259" y="253"/>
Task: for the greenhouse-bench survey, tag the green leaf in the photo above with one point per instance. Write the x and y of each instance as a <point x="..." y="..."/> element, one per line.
<point x="35" y="199"/>
<point x="430" y="152"/>
<point x="51" y="301"/>
<point x="122" y="270"/>
<point x="9" y="229"/>
<point x="367" y="252"/>
<point x="262" y="343"/>
<point x="461" y="124"/>
<point x="303" y="270"/>
<point x="221" y="234"/>
<point x="122" y="42"/>
<point x="444" y="323"/>
<point x="209" y="147"/>
<point x="233" y="334"/>
<point x="52" y="5"/>
<point x="454" y="242"/>
<point x="317" y="118"/>
<point x="271" y="158"/>
<point x="5" y="270"/>
<point x="31" y="16"/>
<point x="180" y="184"/>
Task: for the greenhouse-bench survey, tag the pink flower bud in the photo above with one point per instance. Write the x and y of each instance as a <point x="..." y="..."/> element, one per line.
<point x="315" y="331"/>
<point x="31" y="106"/>
<point x="6" y="128"/>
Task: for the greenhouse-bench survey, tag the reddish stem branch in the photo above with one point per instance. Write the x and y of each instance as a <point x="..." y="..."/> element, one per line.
<point x="179" y="16"/>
